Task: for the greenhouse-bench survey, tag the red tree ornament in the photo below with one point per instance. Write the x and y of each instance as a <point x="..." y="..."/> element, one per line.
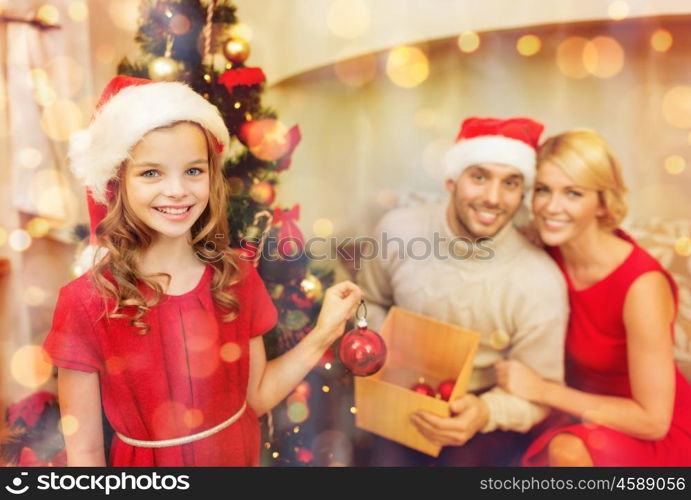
<point x="362" y="351"/>
<point x="424" y="389"/>
<point x="445" y="389"/>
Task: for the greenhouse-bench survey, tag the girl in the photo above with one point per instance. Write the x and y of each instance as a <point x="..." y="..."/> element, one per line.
<point x="165" y="330"/>
<point x="629" y="404"/>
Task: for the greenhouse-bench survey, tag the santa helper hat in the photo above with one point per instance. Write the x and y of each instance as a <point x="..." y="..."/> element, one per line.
<point x="511" y="142"/>
<point x="128" y="109"/>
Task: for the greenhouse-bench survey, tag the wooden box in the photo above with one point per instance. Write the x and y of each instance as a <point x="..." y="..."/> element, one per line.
<point x="418" y="346"/>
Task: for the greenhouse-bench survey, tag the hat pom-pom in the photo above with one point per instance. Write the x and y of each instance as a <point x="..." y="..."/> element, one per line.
<point x="88" y="258"/>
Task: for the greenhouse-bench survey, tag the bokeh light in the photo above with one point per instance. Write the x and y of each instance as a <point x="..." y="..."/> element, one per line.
<point x="618" y="10"/>
<point x="19" y="240"/>
<point x="36" y="77"/>
<point x="192" y="418"/>
<point x="29" y="157"/>
<point x="34" y="296"/>
<point x="323" y="228"/>
<point x="45" y="95"/>
<point x="661" y="40"/>
<point x="29" y="366"/>
<point x="570" y="57"/>
<point x="125" y="14"/>
<point x="676" y="106"/>
<point x="65" y="73"/>
<point x="78" y="11"/>
<point x="326" y="388"/>
<point x="357" y="71"/>
<point x="52" y="197"/>
<point x="407" y="67"/>
<point x="353" y="410"/>
<point x="230" y="352"/>
<point x="38" y="227"/>
<point x="61" y="119"/>
<point x="683" y="246"/>
<point x="303" y="390"/>
<point x="298" y="411"/>
<point x="348" y="18"/>
<point x="180" y="24"/>
<point x="528" y="45"/>
<point x="115" y="365"/>
<point x="167" y="418"/>
<point x="69" y="424"/>
<point x="468" y="41"/>
<point x="603" y="57"/>
<point x="49" y="14"/>
<point x="675" y="164"/>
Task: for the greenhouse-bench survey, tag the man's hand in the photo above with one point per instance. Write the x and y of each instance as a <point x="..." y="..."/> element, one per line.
<point x="471" y="415"/>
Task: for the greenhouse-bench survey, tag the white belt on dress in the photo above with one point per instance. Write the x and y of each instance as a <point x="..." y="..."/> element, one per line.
<point x="185" y="439"/>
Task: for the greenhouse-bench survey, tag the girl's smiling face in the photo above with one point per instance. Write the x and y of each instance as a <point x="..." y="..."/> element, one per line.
<point x="167" y="178"/>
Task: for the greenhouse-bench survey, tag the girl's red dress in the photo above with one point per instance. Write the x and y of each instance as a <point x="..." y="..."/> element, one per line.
<point x="596" y="362"/>
<point x="188" y="374"/>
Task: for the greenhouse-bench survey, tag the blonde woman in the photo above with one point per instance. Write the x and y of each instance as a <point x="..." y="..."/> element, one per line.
<point x="625" y="402"/>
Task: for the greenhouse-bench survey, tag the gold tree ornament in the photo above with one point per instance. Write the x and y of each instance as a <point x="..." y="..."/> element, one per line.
<point x="236" y="50"/>
<point x="165" y="68"/>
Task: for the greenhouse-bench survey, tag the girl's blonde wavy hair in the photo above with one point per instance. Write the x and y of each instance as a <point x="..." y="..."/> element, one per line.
<point x="126" y="237"/>
<point x="587" y="159"/>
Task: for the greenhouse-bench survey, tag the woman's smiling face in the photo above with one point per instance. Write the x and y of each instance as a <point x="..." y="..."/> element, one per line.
<point x="563" y="210"/>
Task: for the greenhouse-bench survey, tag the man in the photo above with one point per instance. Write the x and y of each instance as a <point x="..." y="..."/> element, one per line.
<point x="483" y="275"/>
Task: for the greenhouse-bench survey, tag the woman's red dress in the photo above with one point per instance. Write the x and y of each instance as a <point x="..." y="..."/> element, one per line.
<point x="596" y="362"/>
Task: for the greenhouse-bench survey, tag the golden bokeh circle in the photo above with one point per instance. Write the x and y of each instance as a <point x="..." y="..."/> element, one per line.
<point x="676" y="106"/>
<point x="661" y="40"/>
<point x="528" y="45"/>
<point x="29" y="366"/>
<point x="407" y="66"/>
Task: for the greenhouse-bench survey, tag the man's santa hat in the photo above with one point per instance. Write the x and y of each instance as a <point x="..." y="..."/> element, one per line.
<point x="511" y="142"/>
<point x="128" y="109"/>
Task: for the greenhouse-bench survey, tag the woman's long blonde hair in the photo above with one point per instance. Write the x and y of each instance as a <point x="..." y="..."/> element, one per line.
<point x="585" y="157"/>
<point x="126" y="237"/>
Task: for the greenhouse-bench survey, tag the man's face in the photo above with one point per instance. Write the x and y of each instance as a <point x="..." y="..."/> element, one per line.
<point x="483" y="199"/>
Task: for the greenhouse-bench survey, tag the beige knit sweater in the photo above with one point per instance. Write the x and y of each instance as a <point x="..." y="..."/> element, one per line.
<point x="516" y="300"/>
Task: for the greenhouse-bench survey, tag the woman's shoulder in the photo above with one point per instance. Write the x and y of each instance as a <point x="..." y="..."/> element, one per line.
<point x="639" y="260"/>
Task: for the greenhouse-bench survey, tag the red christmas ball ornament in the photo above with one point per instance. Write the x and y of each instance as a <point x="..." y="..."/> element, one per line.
<point x="362" y="351"/>
<point x="445" y="389"/>
<point x="263" y="193"/>
<point x="424" y="389"/>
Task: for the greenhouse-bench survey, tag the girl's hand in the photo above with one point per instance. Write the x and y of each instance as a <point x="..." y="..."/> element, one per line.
<point x="518" y="379"/>
<point x="340" y="303"/>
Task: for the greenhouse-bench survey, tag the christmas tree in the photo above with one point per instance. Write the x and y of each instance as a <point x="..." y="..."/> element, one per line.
<point x="200" y="43"/>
